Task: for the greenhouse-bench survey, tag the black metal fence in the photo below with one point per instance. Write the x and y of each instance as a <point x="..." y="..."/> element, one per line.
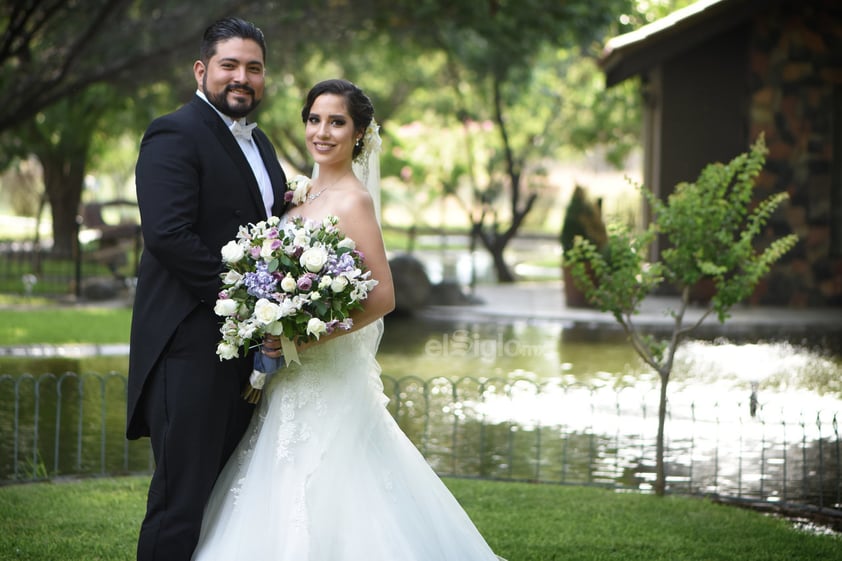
<point x="102" y="258"/>
<point x="29" y="269"/>
<point x="518" y="430"/>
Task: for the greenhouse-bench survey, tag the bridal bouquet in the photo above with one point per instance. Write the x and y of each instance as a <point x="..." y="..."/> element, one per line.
<point x="298" y="281"/>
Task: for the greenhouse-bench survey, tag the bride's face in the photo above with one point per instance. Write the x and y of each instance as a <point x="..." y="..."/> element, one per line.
<point x="329" y="131"/>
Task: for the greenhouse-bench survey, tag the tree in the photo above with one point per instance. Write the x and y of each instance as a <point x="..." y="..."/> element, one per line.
<point x="59" y="58"/>
<point x="54" y="49"/>
<point x="67" y="136"/>
<point x="711" y="227"/>
<point x="492" y="70"/>
<point x="74" y="70"/>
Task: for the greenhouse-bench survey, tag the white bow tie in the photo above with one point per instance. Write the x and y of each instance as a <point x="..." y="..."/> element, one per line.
<point x="240" y="130"/>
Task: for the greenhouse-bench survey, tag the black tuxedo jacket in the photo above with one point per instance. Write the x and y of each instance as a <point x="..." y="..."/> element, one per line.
<point x="195" y="188"/>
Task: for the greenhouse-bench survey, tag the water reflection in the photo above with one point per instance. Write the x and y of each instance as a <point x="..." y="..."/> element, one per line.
<point x="785" y="376"/>
<point x="746" y="419"/>
<point x="538" y="351"/>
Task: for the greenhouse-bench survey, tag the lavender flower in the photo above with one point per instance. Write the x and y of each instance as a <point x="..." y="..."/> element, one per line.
<point x="340" y="264"/>
<point x="261" y="283"/>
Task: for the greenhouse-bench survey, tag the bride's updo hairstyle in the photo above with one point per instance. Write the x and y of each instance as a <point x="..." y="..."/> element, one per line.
<point x="359" y="105"/>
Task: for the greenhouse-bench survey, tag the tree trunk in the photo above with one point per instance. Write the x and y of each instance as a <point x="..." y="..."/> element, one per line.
<point x="64" y="176"/>
<point x="496" y="245"/>
<point x="501" y="268"/>
<point x="660" y="471"/>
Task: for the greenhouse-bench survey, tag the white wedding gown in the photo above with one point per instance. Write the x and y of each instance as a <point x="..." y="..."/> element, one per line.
<point x="324" y="473"/>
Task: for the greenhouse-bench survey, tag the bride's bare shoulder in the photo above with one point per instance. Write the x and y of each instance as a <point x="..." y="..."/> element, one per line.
<point x="353" y="198"/>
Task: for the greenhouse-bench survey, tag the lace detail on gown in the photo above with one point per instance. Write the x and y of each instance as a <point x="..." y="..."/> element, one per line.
<point x="325" y="474"/>
<point x="295" y="395"/>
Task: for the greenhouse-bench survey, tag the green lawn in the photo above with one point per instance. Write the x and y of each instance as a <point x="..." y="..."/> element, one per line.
<point x="58" y="324"/>
<point x="97" y="519"/>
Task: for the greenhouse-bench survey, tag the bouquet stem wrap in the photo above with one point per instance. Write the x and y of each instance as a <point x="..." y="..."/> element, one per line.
<point x="264" y="367"/>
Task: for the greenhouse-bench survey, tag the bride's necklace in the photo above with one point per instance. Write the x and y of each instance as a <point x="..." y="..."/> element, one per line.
<point x="313" y="196"/>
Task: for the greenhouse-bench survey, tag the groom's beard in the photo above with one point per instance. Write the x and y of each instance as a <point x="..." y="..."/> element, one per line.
<point x="220" y="100"/>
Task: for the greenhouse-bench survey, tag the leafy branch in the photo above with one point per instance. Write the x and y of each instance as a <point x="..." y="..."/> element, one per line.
<point x="711" y="228"/>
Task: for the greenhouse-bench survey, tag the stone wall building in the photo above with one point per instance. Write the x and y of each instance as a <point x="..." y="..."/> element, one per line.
<point x="717" y="74"/>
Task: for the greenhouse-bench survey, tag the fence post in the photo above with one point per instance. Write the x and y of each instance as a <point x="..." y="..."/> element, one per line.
<point x="77" y="258"/>
<point x="838" y="485"/>
<point x="821" y="460"/>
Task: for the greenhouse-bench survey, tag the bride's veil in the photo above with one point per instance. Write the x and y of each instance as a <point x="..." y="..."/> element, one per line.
<point x="367" y="164"/>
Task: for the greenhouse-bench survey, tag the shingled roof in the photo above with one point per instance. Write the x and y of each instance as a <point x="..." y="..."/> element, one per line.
<point x="637" y="51"/>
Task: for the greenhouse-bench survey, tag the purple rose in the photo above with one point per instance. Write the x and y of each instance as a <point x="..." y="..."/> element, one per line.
<point x="305" y="283"/>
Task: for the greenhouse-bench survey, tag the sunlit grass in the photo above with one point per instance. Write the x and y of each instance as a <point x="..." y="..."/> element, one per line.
<point x="56" y="325"/>
<point x="16" y="300"/>
<point x="22" y="227"/>
<point x="98" y="519"/>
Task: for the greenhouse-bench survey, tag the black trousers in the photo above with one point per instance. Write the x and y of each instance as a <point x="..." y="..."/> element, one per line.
<point x="196" y="416"/>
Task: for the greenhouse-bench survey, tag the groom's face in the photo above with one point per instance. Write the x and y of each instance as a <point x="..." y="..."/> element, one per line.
<point x="234" y="77"/>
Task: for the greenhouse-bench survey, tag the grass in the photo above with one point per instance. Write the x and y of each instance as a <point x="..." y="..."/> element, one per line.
<point x="97" y="519"/>
<point x="56" y="325"/>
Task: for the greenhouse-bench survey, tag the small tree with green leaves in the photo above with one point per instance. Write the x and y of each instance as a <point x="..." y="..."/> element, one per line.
<point x="710" y="228"/>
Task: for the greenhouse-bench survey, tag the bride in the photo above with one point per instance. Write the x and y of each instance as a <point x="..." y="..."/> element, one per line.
<point x="324" y="473"/>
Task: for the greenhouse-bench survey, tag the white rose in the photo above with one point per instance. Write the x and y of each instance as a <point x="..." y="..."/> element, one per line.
<point x="314" y="259"/>
<point x="289" y="307"/>
<point x="232" y="252"/>
<point x="229" y="328"/>
<point x="314" y="296"/>
<point x="339" y="284"/>
<point x="232" y="277"/>
<point x="268" y="248"/>
<point x="299" y="185"/>
<point x="226" y="351"/>
<point x="347" y="243"/>
<point x="300" y="238"/>
<point x="266" y="312"/>
<point x="288" y="283"/>
<point x="325" y="282"/>
<point x="316" y="327"/>
<point x="246" y="330"/>
<point x="225" y="307"/>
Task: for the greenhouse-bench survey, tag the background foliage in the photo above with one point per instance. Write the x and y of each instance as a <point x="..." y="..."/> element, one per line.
<point x="79" y="77"/>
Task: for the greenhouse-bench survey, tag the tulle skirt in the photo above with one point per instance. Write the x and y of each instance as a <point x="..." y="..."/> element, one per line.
<point x="325" y="474"/>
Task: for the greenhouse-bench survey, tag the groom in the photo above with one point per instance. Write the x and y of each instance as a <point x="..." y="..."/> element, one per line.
<point x="201" y="174"/>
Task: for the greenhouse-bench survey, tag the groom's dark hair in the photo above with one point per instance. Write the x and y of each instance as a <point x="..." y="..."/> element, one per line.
<point x="229" y="28"/>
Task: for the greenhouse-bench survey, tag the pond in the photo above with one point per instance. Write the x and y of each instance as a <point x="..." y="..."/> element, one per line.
<point x="522" y="400"/>
<point x="744" y="417"/>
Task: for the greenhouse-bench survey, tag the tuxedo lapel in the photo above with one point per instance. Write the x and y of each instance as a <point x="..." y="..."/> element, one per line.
<point x="232" y="148"/>
<point x="273" y="167"/>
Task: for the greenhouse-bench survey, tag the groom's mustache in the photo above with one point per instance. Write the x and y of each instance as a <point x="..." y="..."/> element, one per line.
<point x="240" y="87"/>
